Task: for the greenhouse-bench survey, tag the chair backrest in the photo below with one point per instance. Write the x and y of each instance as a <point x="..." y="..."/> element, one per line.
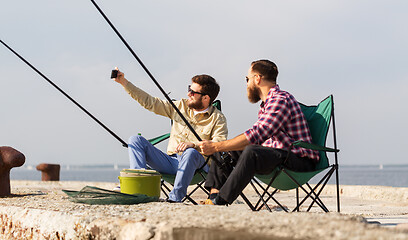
<point x="217" y="104"/>
<point x="318" y="118"/>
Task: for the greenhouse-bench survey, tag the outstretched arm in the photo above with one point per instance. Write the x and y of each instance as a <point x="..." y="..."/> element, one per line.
<point x="151" y="103"/>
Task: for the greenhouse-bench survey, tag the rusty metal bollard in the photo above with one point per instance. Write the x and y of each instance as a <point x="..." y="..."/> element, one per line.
<point x="9" y="158"/>
<point x="50" y="172"/>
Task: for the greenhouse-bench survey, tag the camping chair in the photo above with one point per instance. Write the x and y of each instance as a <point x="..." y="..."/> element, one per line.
<point x="167" y="181"/>
<point x="318" y="118"/>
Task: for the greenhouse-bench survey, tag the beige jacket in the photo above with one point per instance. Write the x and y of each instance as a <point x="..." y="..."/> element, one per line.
<point x="211" y="125"/>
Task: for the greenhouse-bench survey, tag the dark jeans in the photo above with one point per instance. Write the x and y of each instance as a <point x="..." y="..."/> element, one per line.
<point x="255" y="159"/>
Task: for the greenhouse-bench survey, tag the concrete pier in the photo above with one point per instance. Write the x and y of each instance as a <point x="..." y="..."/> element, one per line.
<point x="40" y="210"/>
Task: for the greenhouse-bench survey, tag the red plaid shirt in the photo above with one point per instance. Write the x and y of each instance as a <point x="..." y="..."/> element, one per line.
<point x="280" y="123"/>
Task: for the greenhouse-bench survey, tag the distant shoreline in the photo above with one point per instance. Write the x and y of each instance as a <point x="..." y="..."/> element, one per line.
<point x="359" y="175"/>
<point x="123" y="166"/>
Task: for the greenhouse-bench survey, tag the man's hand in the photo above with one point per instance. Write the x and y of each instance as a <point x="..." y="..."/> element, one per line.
<point x="183" y="146"/>
<point x="207" y="147"/>
<point x="121" y="78"/>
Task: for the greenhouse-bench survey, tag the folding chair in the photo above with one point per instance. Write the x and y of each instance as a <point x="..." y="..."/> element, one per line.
<point x="318" y="118"/>
<point x="200" y="175"/>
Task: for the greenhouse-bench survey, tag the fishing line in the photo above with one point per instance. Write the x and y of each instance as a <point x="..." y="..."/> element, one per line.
<point x="66" y="95"/>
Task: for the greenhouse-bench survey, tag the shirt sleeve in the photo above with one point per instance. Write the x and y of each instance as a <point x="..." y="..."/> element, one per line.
<point x="274" y="114"/>
<point x="153" y="104"/>
<point x="220" y="132"/>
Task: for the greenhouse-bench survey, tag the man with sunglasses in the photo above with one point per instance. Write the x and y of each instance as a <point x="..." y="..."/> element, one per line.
<point x="183" y="157"/>
<point x="267" y="143"/>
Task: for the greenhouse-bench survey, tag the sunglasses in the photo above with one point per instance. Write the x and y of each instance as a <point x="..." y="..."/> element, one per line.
<point x="191" y="91"/>
<point x="247" y="79"/>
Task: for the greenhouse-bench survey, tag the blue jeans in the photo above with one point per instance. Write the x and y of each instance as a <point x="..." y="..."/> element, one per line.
<point x="142" y="154"/>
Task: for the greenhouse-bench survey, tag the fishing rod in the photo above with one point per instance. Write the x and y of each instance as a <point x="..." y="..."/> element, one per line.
<point x="223" y="164"/>
<point x="66" y="95"/>
<point x="147" y="71"/>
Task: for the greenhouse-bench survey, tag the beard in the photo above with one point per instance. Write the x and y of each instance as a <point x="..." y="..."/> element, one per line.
<point x="254" y="94"/>
<point x="197" y="105"/>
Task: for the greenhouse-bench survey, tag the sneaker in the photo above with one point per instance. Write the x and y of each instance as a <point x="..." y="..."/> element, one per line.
<point x="171" y="201"/>
<point x="213" y="196"/>
<point x="116" y="189"/>
<point x="207" y="202"/>
<point x="217" y="201"/>
<point x="167" y="200"/>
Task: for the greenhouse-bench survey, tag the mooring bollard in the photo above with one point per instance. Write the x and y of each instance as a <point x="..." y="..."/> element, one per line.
<point x="49" y="172"/>
<point x="9" y="158"/>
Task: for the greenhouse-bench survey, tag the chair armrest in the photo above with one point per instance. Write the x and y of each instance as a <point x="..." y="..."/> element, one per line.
<point x="159" y="139"/>
<point x="314" y="146"/>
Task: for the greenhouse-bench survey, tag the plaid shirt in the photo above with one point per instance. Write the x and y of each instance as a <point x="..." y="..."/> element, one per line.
<point x="280" y="123"/>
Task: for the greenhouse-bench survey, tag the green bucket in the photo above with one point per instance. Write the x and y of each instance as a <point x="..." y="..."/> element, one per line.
<point x="140" y="181"/>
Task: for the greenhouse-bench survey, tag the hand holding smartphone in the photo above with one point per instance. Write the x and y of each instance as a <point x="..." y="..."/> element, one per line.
<point x="114" y="73"/>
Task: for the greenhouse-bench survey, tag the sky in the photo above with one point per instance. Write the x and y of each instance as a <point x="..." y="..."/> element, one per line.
<point x="355" y="50"/>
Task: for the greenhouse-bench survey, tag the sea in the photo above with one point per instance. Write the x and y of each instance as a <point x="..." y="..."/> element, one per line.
<point x="380" y="175"/>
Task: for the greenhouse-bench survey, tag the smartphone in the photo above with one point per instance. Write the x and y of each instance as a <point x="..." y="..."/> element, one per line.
<point x="114" y="73"/>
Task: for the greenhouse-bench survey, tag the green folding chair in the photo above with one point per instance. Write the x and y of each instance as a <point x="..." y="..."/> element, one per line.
<point x="167" y="181"/>
<point x="318" y="118"/>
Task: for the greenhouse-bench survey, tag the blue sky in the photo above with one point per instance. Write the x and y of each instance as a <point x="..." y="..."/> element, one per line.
<point x="355" y="50"/>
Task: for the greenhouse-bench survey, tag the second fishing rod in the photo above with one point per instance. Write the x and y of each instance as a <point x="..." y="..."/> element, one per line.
<point x="146" y="70"/>
<point x="64" y="93"/>
<point x="225" y="162"/>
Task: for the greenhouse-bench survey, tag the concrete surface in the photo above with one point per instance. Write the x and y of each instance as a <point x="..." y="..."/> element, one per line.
<point x="40" y="210"/>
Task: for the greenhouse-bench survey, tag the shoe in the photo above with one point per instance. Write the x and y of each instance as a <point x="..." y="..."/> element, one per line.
<point x="207" y="202"/>
<point x="219" y="201"/>
<point x="116" y="189"/>
<point x="213" y="196"/>
<point x="167" y="200"/>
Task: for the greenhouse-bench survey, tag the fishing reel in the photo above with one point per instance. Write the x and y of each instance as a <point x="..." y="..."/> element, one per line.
<point x="226" y="161"/>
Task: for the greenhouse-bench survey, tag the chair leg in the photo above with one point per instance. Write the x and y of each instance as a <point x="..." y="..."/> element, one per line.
<point x="308" y="193"/>
<point x="325" y="179"/>
<point x="190" y="199"/>
<point x="265" y="191"/>
<point x="257" y="192"/>
<point x="312" y="191"/>
<point x="247" y="201"/>
<point x="255" y="208"/>
<point x="338" y="187"/>
<point x="317" y="199"/>
<point x="297" y="199"/>
<point x="270" y="196"/>
<point x="164" y="187"/>
<point x="199" y="186"/>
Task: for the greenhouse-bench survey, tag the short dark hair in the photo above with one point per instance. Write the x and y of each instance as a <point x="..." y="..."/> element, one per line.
<point x="208" y="85"/>
<point x="266" y="68"/>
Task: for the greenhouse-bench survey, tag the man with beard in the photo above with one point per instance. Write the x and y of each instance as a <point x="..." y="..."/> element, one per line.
<point x="266" y="144"/>
<point x="183" y="157"/>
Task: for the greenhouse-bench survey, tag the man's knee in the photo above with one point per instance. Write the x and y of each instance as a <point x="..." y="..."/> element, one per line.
<point x="136" y="139"/>
<point x="191" y="154"/>
<point x="249" y="152"/>
<point x="250" y="157"/>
